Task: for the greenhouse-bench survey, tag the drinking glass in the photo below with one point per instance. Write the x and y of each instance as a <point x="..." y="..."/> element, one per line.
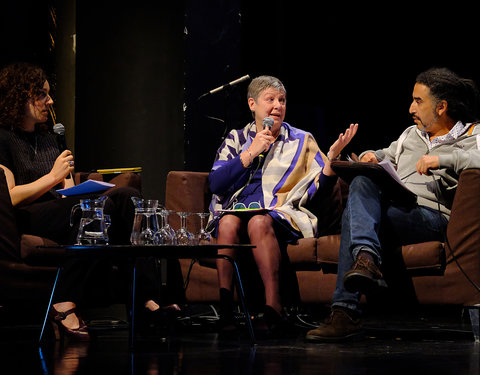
<point x="146" y="236"/>
<point x="166" y="213"/>
<point x="203" y="237"/>
<point x="184" y="237"/>
<point x="165" y="235"/>
<point x="145" y="223"/>
<point x="108" y="223"/>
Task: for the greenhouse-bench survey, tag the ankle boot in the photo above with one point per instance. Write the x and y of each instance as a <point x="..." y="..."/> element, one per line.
<point x="342" y="325"/>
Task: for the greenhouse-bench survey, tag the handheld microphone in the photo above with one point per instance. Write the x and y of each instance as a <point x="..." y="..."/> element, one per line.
<point x="59" y="131"/>
<point x="230" y="84"/>
<point x="267" y="123"/>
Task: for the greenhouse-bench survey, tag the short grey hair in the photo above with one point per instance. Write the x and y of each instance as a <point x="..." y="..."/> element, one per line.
<point x="261" y="83"/>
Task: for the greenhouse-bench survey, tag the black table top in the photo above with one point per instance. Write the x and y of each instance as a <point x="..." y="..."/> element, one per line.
<point x="165" y="251"/>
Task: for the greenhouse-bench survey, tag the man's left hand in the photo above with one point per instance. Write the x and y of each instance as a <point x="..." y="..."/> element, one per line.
<point x="426" y="163"/>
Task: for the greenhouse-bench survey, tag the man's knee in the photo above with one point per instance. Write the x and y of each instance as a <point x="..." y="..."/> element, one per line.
<point x="361" y="181"/>
<point x="362" y="184"/>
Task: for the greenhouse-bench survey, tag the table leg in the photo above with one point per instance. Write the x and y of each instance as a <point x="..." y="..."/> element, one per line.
<point x="241" y="295"/>
<point x="49" y="304"/>
<point x="132" y="308"/>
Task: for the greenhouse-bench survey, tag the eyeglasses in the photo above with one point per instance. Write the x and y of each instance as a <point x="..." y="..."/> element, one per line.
<point x="251" y="206"/>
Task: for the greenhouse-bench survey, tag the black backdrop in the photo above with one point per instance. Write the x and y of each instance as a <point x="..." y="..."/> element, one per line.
<point x="340" y="64"/>
<point x="141" y="66"/>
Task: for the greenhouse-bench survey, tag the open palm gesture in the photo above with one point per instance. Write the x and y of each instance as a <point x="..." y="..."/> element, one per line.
<point x="342" y="141"/>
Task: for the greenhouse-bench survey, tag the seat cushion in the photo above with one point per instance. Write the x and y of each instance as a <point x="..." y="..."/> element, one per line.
<point x="424" y="258"/>
<point x="32" y="254"/>
<point x="303" y="252"/>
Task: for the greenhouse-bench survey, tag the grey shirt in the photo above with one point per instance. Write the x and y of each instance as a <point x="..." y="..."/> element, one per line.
<point x="457" y="152"/>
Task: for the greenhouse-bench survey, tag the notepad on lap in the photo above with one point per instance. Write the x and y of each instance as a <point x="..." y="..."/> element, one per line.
<point x="89" y="186"/>
<point x="383" y="174"/>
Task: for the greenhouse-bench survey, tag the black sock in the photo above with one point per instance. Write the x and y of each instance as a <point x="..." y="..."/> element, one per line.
<point x="226" y="302"/>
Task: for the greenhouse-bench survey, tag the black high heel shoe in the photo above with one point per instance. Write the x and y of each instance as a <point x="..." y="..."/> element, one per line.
<point x="277" y="323"/>
<point x="61" y="331"/>
<point x="226" y="323"/>
<point x="153" y="324"/>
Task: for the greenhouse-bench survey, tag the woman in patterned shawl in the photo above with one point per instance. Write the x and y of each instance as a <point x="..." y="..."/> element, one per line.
<point x="278" y="169"/>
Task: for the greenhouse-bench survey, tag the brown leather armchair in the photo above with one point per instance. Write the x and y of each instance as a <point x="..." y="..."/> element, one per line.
<point x="426" y="273"/>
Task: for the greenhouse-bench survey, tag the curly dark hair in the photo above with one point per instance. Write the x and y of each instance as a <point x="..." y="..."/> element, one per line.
<point x="19" y="82"/>
<point x="461" y="94"/>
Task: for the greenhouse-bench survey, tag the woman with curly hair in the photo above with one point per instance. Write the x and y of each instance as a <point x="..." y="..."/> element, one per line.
<point x="26" y="147"/>
<point x="35" y="168"/>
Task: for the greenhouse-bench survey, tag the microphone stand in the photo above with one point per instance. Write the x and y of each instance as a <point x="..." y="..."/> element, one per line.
<point x="226" y="121"/>
<point x="227" y="91"/>
<point x="195" y="114"/>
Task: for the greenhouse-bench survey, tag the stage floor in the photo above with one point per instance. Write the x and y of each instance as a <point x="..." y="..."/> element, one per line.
<point x="427" y="342"/>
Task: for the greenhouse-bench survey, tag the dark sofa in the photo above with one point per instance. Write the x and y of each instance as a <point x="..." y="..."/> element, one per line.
<point x="431" y="273"/>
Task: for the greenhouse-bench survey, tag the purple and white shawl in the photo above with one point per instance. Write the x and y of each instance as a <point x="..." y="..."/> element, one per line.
<point x="289" y="175"/>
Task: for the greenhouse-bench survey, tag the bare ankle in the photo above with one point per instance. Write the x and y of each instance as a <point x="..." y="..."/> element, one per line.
<point x="151" y="305"/>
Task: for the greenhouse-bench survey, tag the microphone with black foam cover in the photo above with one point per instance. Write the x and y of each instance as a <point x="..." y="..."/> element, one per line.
<point x="267" y="123"/>
<point x="59" y="131"/>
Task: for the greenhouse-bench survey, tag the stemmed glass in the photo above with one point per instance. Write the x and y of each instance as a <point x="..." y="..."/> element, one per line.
<point x="146" y="236"/>
<point x="203" y="237"/>
<point x="165" y="235"/>
<point x="184" y="237"/>
<point x="107" y="224"/>
<point x="166" y="213"/>
<point x="145" y="223"/>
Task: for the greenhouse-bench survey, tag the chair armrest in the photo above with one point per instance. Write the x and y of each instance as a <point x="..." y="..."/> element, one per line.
<point x="9" y="236"/>
<point x="129" y="179"/>
<point x="80" y="177"/>
<point x="463" y="231"/>
<point x="123" y="179"/>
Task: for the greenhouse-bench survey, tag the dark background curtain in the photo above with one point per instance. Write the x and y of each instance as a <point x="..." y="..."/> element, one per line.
<point x="127" y="77"/>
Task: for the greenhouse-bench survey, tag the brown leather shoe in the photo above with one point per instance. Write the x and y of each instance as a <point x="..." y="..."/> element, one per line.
<point x="364" y="277"/>
<point x="340" y="326"/>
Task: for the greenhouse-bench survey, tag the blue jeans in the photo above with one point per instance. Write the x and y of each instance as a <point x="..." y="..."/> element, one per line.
<point x="368" y="220"/>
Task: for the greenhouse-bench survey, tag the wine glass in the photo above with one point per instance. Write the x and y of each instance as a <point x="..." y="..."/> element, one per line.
<point x="145" y="223"/>
<point x="166" y="213"/>
<point x="183" y="236"/>
<point x="165" y="235"/>
<point x="107" y="221"/>
<point x="147" y="235"/>
<point x="203" y="237"/>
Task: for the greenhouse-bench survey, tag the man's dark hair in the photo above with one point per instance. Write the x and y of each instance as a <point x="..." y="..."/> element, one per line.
<point x="461" y="94"/>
